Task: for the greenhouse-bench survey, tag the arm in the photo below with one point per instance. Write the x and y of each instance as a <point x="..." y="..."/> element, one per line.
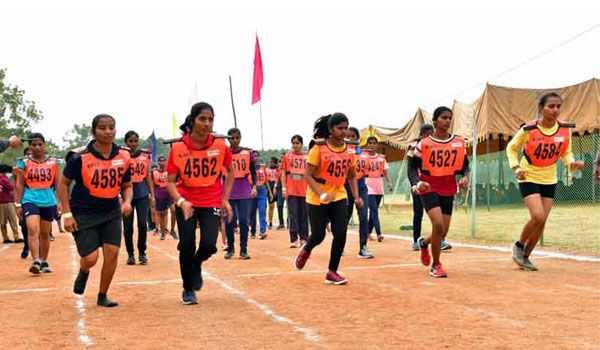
<point x="389" y="181"/>
<point x="57" y="179"/>
<point x="310" y="180"/>
<point x="253" y="176"/>
<point x="284" y="184"/>
<point x="597" y="168"/>
<point x="228" y="185"/>
<point x="127" y="194"/>
<point x="464" y="180"/>
<point x="512" y="150"/>
<point x="6" y="184"/>
<point x="569" y="161"/>
<point x="150" y="184"/>
<point x="354" y="187"/>
<point x="62" y="189"/>
<point x="19" y="189"/>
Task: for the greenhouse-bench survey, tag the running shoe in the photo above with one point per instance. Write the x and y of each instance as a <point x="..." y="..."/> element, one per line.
<point x="371" y="237"/>
<point x="188" y="297"/>
<point x="198" y="281"/>
<point x="19" y="240"/>
<point x="143" y="259"/>
<point x="253" y="236"/>
<point x="229" y="255"/>
<point x="270" y="226"/>
<point x="24" y="253"/>
<point x="294" y="244"/>
<point x="528" y="265"/>
<point x="280" y="227"/>
<point x="364" y="253"/>
<point x="162" y="236"/>
<point x="446" y="246"/>
<point x="36" y="268"/>
<point x="301" y="259"/>
<point x="244" y="256"/>
<point x="380" y="238"/>
<point x="155" y="232"/>
<point x="131" y="260"/>
<point x="51" y="237"/>
<point x="224" y="247"/>
<point x="437" y="271"/>
<point x="334" y="278"/>
<point x="425" y="257"/>
<point x="80" y="282"/>
<point x="263" y="235"/>
<point x="104" y="301"/>
<point x="45" y="268"/>
<point x="174" y="234"/>
<point x="7" y="241"/>
<point x="415" y="246"/>
<point x="518" y="255"/>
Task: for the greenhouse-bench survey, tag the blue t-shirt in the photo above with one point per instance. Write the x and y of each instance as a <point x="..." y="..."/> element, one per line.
<point x="41" y="197"/>
<point x="82" y="202"/>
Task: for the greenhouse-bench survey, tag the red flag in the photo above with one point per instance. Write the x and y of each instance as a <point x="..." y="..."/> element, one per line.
<point x="257" y="80"/>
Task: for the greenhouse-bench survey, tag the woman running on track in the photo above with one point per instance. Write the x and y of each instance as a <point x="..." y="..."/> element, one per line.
<point x="272" y="178"/>
<point x="164" y="202"/>
<point x="377" y="168"/>
<point x="37" y="177"/>
<point x="432" y="172"/>
<point x="293" y="179"/>
<point x="242" y="192"/>
<point x="330" y="162"/>
<point x="425" y="131"/>
<point x="259" y="203"/>
<point x="197" y="161"/>
<point x="93" y="214"/>
<point x="543" y="141"/>
<point x="143" y="197"/>
<point x="362" y="159"/>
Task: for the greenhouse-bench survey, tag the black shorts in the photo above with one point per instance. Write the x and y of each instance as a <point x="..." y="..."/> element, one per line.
<point x="272" y="186"/>
<point x="431" y="200"/>
<point x="45" y="213"/>
<point x="528" y="188"/>
<point x="98" y="229"/>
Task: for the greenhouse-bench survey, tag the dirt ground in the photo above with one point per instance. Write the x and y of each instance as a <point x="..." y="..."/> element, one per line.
<point x="390" y="302"/>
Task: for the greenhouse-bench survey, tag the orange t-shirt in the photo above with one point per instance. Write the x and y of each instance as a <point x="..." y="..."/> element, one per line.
<point x="294" y="166"/>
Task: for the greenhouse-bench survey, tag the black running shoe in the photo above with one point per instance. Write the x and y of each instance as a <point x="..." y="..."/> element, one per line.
<point x="104" y="301"/>
<point x="24" y="253"/>
<point x="131" y="260"/>
<point x="188" y="297"/>
<point x="80" y="282"/>
<point x="45" y="267"/>
<point x="244" y="256"/>
<point x="143" y="259"/>
<point x="36" y="268"/>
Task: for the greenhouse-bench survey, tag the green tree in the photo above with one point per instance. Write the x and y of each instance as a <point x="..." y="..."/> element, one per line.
<point x="17" y="115"/>
<point x="79" y="135"/>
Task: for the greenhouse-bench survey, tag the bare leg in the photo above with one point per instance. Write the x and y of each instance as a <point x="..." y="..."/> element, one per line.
<point x="536" y="217"/>
<point x="33" y="227"/>
<point x="109" y="266"/>
<point x="173" y="217"/>
<point x="437" y="230"/>
<point x="88" y="261"/>
<point x="535" y="237"/>
<point x="45" y="227"/>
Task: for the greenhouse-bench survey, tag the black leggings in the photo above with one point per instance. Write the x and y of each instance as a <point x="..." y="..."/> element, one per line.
<point x="189" y="257"/>
<point x="318" y="216"/>
<point x="417" y="215"/>
<point x="140" y="206"/>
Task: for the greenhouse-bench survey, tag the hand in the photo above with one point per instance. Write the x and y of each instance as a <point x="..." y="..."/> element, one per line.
<point x="275" y="192"/>
<point x="423" y="186"/>
<point x="152" y="202"/>
<point x="126" y="209"/>
<point x="390" y="187"/>
<point x="15" y="142"/>
<point x="188" y="210"/>
<point x="225" y="206"/>
<point x="577" y="165"/>
<point x="520" y="174"/>
<point x="464" y="182"/>
<point x="284" y="194"/>
<point x="326" y="197"/>
<point x="253" y="192"/>
<point x="59" y="208"/>
<point x="19" y="211"/>
<point x="70" y="225"/>
<point x="359" y="202"/>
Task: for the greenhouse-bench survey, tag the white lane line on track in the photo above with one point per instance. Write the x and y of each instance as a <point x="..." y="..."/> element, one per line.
<point x="34" y="290"/>
<point x="4" y="247"/>
<point x="145" y="283"/>
<point x="587" y="289"/>
<point x="505" y="249"/>
<point x="475" y="311"/>
<point x="84" y="338"/>
<point x="309" y="334"/>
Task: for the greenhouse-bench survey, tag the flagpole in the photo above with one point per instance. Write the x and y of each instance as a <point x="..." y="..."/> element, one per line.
<point x="262" y="139"/>
<point x="232" y="105"/>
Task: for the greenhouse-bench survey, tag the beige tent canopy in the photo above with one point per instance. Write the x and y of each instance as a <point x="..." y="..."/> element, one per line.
<point x="499" y="111"/>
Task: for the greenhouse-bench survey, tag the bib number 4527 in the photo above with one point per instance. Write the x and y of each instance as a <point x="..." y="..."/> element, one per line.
<point x="443" y="158"/>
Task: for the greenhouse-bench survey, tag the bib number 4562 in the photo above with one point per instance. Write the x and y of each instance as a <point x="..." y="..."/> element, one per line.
<point x="196" y="167"/>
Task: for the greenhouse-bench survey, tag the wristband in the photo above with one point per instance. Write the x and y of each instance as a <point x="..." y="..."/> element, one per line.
<point x="18" y="205"/>
<point x="180" y="201"/>
<point x="67" y="215"/>
<point x="284" y="189"/>
<point x="323" y="196"/>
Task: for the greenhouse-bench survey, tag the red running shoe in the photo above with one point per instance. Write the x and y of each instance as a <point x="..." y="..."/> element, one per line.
<point x="334" y="278"/>
<point x="437" y="271"/>
<point x="425" y="258"/>
<point x="301" y="259"/>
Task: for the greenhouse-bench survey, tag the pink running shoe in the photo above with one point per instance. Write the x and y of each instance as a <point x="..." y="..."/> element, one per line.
<point x="301" y="259"/>
<point x="437" y="271"/>
<point x="425" y="258"/>
<point x="334" y="278"/>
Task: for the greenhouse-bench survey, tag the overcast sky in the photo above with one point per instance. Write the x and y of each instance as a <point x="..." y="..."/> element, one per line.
<point x="139" y="60"/>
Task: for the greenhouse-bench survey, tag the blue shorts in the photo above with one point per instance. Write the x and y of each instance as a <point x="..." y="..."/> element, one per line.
<point x="162" y="204"/>
<point x="45" y="213"/>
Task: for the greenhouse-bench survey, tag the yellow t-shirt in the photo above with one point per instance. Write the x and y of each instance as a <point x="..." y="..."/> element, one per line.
<point x="314" y="158"/>
<point x="536" y="174"/>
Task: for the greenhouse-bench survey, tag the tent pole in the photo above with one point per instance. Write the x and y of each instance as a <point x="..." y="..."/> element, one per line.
<point x="474" y="178"/>
<point x="488" y="171"/>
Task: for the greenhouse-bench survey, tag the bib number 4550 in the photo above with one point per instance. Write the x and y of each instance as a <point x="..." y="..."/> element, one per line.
<point x="338" y="168"/>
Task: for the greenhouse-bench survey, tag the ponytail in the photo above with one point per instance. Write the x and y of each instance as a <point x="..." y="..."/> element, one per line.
<point x="197" y="108"/>
<point x="322" y="125"/>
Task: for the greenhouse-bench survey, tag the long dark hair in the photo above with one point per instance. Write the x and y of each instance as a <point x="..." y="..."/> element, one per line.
<point x="188" y="124"/>
<point x="546" y="96"/>
<point x="129" y="134"/>
<point x="37" y="135"/>
<point x="97" y="118"/>
<point x="322" y="125"/>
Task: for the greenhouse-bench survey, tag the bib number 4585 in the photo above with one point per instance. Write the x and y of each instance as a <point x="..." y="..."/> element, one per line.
<point x="107" y="178"/>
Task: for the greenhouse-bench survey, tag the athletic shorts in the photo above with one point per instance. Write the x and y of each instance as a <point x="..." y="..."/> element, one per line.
<point x="272" y="186"/>
<point x="431" y="200"/>
<point x="162" y="204"/>
<point x="45" y="213"/>
<point x="98" y="229"/>
<point x="528" y="188"/>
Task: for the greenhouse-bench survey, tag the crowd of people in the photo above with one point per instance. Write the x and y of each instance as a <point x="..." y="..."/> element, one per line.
<point x="210" y="183"/>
